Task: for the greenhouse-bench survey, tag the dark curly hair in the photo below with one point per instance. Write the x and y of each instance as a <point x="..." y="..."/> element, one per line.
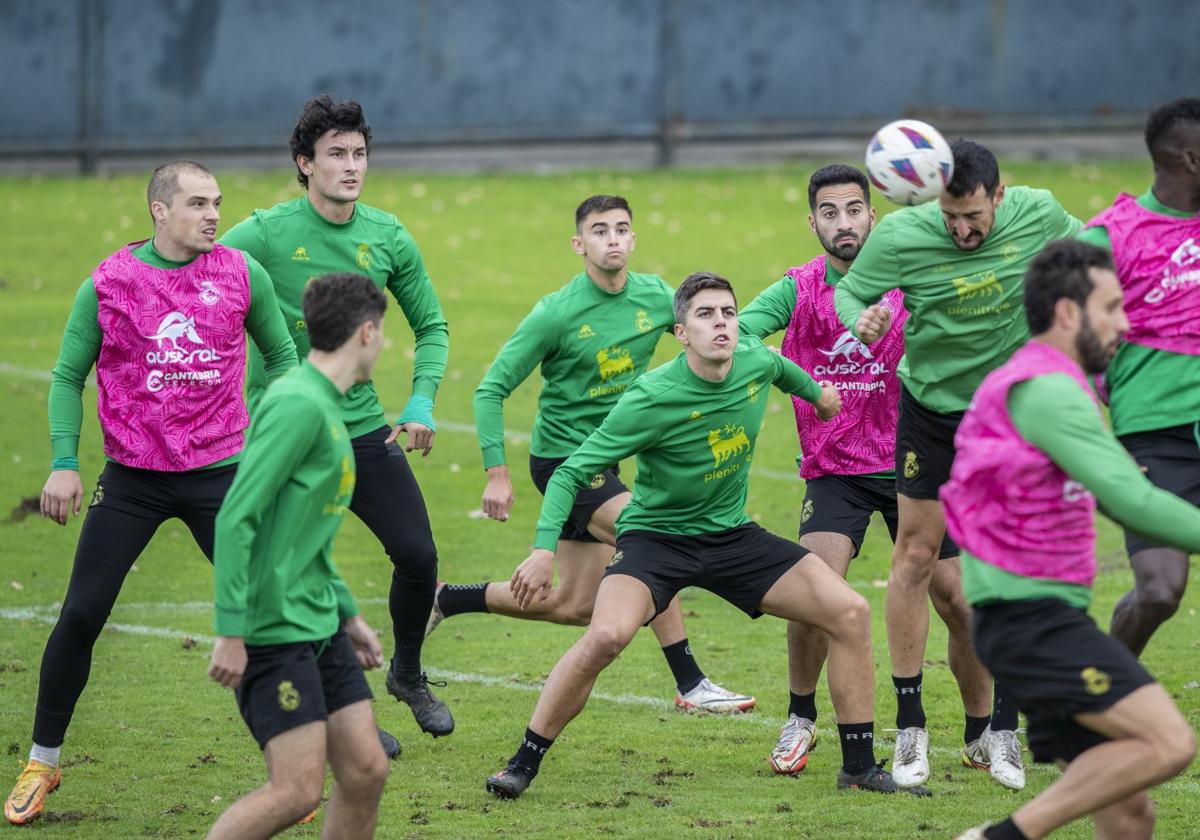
<point x="319" y="116"/>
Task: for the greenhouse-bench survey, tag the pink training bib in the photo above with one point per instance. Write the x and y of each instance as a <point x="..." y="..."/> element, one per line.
<point x="862" y="439"/>
<point x="1006" y="502"/>
<point x="172" y="359"/>
<point x="1158" y="261"/>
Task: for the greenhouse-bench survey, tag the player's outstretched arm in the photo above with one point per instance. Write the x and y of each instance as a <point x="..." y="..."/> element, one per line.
<point x="1058" y="417"/>
<point x="771" y="310"/>
<point x="793" y="379"/>
<point x="875" y="271"/>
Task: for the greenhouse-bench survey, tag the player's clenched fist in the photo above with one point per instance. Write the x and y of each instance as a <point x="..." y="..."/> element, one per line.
<point x="873" y="323"/>
<point x="830" y="403"/>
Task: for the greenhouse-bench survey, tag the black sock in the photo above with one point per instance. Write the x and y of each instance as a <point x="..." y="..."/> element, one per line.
<point x="804" y="705"/>
<point x="406" y="660"/>
<point x="909" y="711"/>
<point x="1006" y="830"/>
<point x="455" y="599"/>
<point x="683" y="666"/>
<point x="974" y="727"/>
<point x="858" y="745"/>
<point x="1004" y="710"/>
<point x="533" y="748"/>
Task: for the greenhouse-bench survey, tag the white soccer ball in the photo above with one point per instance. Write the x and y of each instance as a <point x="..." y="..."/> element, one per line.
<point x="909" y="161"/>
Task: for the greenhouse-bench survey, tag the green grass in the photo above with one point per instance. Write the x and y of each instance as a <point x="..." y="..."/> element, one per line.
<point x="158" y="750"/>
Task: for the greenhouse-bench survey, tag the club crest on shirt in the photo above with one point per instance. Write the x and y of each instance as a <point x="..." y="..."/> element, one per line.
<point x="644" y="323"/>
<point x="363" y="260"/>
<point x="209" y="294"/>
<point x="752" y="391"/>
<point x="289" y="697"/>
<point x="585" y="332"/>
<point x="911" y="468"/>
<point x="300" y="254"/>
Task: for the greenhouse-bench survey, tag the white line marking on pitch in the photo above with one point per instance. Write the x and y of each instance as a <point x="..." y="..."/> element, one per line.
<point x="49" y="615"/>
<point x="447" y="425"/>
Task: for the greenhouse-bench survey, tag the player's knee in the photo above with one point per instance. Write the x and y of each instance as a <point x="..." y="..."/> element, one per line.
<point x="1159" y="600"/>
<point x="82" y="621"/>
<point x="373" y="773"/>
<point x="299" y="795"/>
<point x="604" y="645"/>
<point x="1173" y="742"/>
<point x="913" y="562"/>
<point x="854" y="620"/>
<point x="415" y="561"/>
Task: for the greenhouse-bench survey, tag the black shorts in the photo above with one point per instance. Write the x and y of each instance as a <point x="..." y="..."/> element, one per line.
<point x="843" y="504"/>
<point x="1055" y="663"/>
<point x="286" y="686"/>
<point x="924" y="448"/>
<point x="740" y="565"/>
<point x="602" y="488"/>
<point x="1171" y="459"/>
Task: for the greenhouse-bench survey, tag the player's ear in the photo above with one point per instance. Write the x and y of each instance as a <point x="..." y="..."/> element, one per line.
<point x="871" y="215"/>
<point x="999" y="196"/>
<point x="577" y="245"/>
<point x="304" y="164"/>
<point x="158" y="211"/>
<point x="681" y="334"/>
<point x="812" y="223"/>
<point x="632" y="240"/>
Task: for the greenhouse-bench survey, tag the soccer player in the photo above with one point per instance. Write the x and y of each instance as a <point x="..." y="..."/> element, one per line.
<point x="593" y="338"/>
<point x="848" y="463"/>
<point x="329" y="230"/>
<point x="693" y="423"/>
<point x="290" y="639"/>
<point x="164" y="322"/>
<point x="1033" y="462"/>
<point x="960" y="263"/>
<point x="1153" y="382"/>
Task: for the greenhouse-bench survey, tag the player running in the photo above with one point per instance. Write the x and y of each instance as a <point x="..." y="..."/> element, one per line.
<point x="329" y="230"/>
<point x="593" y="338"/>
<point x="960" y="263"/>
<point x="693" y="423"/>
<point x="290" y="639"/>
<point x="164" y="322"/>
<point x="848" y="464"/>
<point x="1153" y="382"/>
<point x="1033" y="462"/>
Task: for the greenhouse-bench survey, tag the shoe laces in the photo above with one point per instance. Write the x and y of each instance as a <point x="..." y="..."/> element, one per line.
<point x="906" y="747"/>
<point x="795" y="726"/>
<point x="1010" y="749"/>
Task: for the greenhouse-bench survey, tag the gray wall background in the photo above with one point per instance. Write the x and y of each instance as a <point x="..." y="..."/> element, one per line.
<point x="94" y="77"/>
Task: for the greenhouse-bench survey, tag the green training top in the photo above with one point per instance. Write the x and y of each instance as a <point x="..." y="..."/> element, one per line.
<point x="772" y="311"/>
<point x="273" y="569"/>
<point x="966" y="308"/>
<point x="1054" y="414"/>
<point x="1149" y="389"/>
<point x="694" y="441"/>
<point x="296" y="243"/>
<point x="591" y="344"/>
<point x="81" y="348"/>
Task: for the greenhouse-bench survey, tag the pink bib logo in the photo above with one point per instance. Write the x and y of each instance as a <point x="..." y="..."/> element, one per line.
<point x="173" y="329"/>
<point x="844" y="349"/>
<point x="1187" y="254"/>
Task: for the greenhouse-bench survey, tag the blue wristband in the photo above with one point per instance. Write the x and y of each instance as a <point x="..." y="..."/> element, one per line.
<point x="418" y="410"/>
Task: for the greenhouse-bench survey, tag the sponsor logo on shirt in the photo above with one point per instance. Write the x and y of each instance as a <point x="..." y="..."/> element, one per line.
<point x="752" y="391"/>
<point x="726" y="443"/>
<point x="1073" y="491"/>
<point x="695" y="415"/>
<point x="844" y="349"/>
<point x="1187" y="254"/>
<point x="300" y="254"/>
<point x="177" y="327"/>
<point x="585" y="332"/>
<point x="612" y="362"/>
<point x="979" y="294"/>
<point x="345" y="491"/>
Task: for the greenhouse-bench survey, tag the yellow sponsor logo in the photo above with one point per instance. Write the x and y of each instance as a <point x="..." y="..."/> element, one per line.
<point x="300" y="254"/>
<point x="597" y="481"/>
<point x="806" y="512"/>
<point x="345" y="489"/>
<point x="696" y="415"/>
<point x="289" y="697"/>
<point x="1095" y="681"/>
<point x="363" y="260"/>
<point x="613" y="361"/>
<point x="585" y="332"/>
<point x="911" y="468"/>
<point x="644" y="323"/>
<point x="727" y="442"/>
<point x="986" y="287"/>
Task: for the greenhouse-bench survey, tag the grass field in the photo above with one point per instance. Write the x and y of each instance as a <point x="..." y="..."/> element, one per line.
<point x="158" y="750"/>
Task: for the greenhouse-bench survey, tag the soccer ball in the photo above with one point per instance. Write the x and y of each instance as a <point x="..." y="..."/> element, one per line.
<point x="909" y="161"/>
